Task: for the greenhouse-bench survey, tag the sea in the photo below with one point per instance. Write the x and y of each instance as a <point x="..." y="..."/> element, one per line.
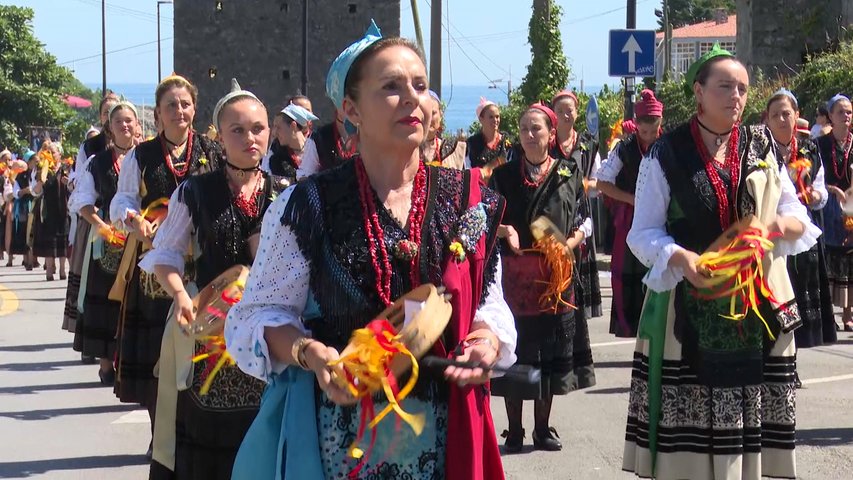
<point x="461" y="100"/>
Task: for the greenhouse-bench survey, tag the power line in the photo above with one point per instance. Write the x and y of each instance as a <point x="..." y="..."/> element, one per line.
<point x="138" y="14"/>
<point x="113" y="51"/>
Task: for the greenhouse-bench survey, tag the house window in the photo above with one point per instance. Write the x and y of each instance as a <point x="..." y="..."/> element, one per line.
<point x="683" y="54"/>
<point x="707" y="46"/>
<point x="285" y="74"/>
<point x="352" y="8"/>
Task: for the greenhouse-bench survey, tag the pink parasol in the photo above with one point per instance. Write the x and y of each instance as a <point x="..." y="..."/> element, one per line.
<point x="76" y="102"/>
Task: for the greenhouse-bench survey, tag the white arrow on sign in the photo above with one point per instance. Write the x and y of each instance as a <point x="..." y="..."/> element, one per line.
<point x="632" y="48"/>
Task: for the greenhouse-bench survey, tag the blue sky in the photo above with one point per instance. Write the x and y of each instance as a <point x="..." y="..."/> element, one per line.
<point x="488" y="38"/>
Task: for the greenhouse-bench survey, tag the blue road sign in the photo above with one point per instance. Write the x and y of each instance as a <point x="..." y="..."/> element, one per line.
<point x="592" y="116"/>
<point x="632" y="53"/>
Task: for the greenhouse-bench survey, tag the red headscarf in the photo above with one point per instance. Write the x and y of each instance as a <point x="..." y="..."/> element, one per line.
<point x="648" y="105"/>
<point x="547" y="111"/>
<point x="564" y="93"/>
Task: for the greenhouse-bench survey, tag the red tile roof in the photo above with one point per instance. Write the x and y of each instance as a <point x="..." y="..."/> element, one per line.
<point x="709" y="29"/>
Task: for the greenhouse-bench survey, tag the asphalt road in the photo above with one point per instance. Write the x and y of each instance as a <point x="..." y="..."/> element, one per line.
<point x="57" y="422"/>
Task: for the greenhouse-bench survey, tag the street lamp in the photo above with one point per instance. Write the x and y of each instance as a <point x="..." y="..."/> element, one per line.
<point x="159" y="66"/>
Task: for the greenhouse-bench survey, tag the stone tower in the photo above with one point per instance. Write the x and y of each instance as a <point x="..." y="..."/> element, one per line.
<point x="776" y="35"/>
<point x="260" y="43"/>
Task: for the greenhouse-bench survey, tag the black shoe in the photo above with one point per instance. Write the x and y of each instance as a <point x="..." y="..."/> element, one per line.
<point x="548" y="441"/>
<point x="514" y="441"/>
<point x="107" y="379"/>
<point x="797" y="382"/>
<point x="87" y="360"/>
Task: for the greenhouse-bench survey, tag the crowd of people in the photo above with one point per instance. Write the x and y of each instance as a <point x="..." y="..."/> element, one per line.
<point x="336" y="220"/>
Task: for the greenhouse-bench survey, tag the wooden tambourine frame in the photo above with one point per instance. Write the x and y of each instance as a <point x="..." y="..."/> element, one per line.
<point x="421" y="333"/>
<point x="208" y="323"/>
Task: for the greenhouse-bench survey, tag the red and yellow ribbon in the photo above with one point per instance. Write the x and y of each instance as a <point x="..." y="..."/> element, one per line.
<point x="737" y="273"/>
<point x="800" y="170"/>
<point x="156" y="209"/>
<point x="215" y="350"/>
<point x="112" y="236"/>
<point x="368" y="370"/>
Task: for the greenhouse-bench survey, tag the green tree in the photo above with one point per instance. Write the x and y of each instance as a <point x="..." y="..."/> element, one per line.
<point x="31" y="83"/>
<point x="688" y="12"/>
<point x="548" y="72"/>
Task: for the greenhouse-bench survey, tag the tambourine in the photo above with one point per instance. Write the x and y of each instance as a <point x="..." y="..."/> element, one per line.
<point x="212" y="303"/>
<point x="420" y="333"/>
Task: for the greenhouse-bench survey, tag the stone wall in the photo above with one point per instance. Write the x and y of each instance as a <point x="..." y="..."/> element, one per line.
<point x="776" y="35"/>
<point x="259" y="42"/>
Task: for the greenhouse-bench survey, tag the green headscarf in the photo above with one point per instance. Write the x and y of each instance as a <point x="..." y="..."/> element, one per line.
<point x="690" y="77"/>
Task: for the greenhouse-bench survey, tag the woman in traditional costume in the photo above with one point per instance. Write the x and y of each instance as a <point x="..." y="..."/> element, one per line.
<point x="808" y="271"/>
<point x="536" y="185"/>
<point x="582" y="148"/>
<point x="712" y="388"/>
<point x="489" y="148"/>
<point x="23" y="202"/>
<point x="50" y="212"/>
<point x="221" y="213"/>
<point x="80" y="230"/>
<point x="439" y="151"/>
<point x="5" y="198"/>
<point x="834" y="150"/>
<point x="291" y="129"/>
<point x="331" y="145"/>
<point x="96" y="326"/>
<point x="335" y="251"/>
<point x="617" y="179"/>
<point x="149" y="175"/>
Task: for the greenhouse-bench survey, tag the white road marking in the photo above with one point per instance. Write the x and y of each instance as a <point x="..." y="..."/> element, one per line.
<point x="611" y="344"/>
<point x="136" y="416"/>
<point x="836" y="378"/>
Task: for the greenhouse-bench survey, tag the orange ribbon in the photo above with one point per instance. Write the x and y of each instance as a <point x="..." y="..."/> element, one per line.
<point x="112" y="236"/>
<point x="562" y="271"/>
<point x="214" y="349"/>
<point x="800" y="169"/>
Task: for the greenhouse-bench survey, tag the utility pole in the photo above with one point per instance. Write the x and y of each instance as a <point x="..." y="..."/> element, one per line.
<point x="416" y="18"/>
<point x="159" y="61"/>
<point x="667" y="41"/>
<point x="103" y="47"/>
<point x="435" y="47"/>
<point x="305" y="47"/>
<point x="630" y="24"/>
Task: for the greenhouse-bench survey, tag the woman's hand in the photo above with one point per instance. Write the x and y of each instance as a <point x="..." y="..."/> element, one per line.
<point x="512" y="239"/>
<point x="840" y="194"/>
<point x="317" y="357"/>
<point x="183" y="310"/>
<point x="482" y="354"/>
<point x="142" y="226"/>
<point x="687" y="261"/>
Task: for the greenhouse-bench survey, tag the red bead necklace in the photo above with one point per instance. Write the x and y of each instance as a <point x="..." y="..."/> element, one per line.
<point x="345" y="149"/>
<point x="178" y="173"/>
<point x="248" y="204"/>
<point x="793" y="147"/>
<point x="848" y="144"/>
<point x="732" y="164"/>
<point x="376" y="235"/>
<point x="494" y="144"/>
<point x="537" y="182"/>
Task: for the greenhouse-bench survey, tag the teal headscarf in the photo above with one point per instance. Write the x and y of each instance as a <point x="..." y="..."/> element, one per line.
<point x="340" y="67"/>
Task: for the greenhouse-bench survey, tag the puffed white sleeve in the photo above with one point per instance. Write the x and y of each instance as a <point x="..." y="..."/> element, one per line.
<point x="648" y="238"/>
<point x="819" y="186"/>
<point x="610" y="168"/>
<point x="76" y="170"/>
<point x="84" y="194"/>
<point x="173" y="237"/>
<point x="16" y="189"/>
<point x="496" y="314"/>
<point x="593" y="172"/>
<point x="310" y="161"/>
<point x="790" y="206"/>
<point x="276" y="293"/>
<point x="127" y="197"/>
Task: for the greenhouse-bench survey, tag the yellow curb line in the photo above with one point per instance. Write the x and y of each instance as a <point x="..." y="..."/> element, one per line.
<point x="8" y="301"/>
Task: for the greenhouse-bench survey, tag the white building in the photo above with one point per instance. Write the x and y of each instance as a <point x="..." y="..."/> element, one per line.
<point x="691" y="41"/>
